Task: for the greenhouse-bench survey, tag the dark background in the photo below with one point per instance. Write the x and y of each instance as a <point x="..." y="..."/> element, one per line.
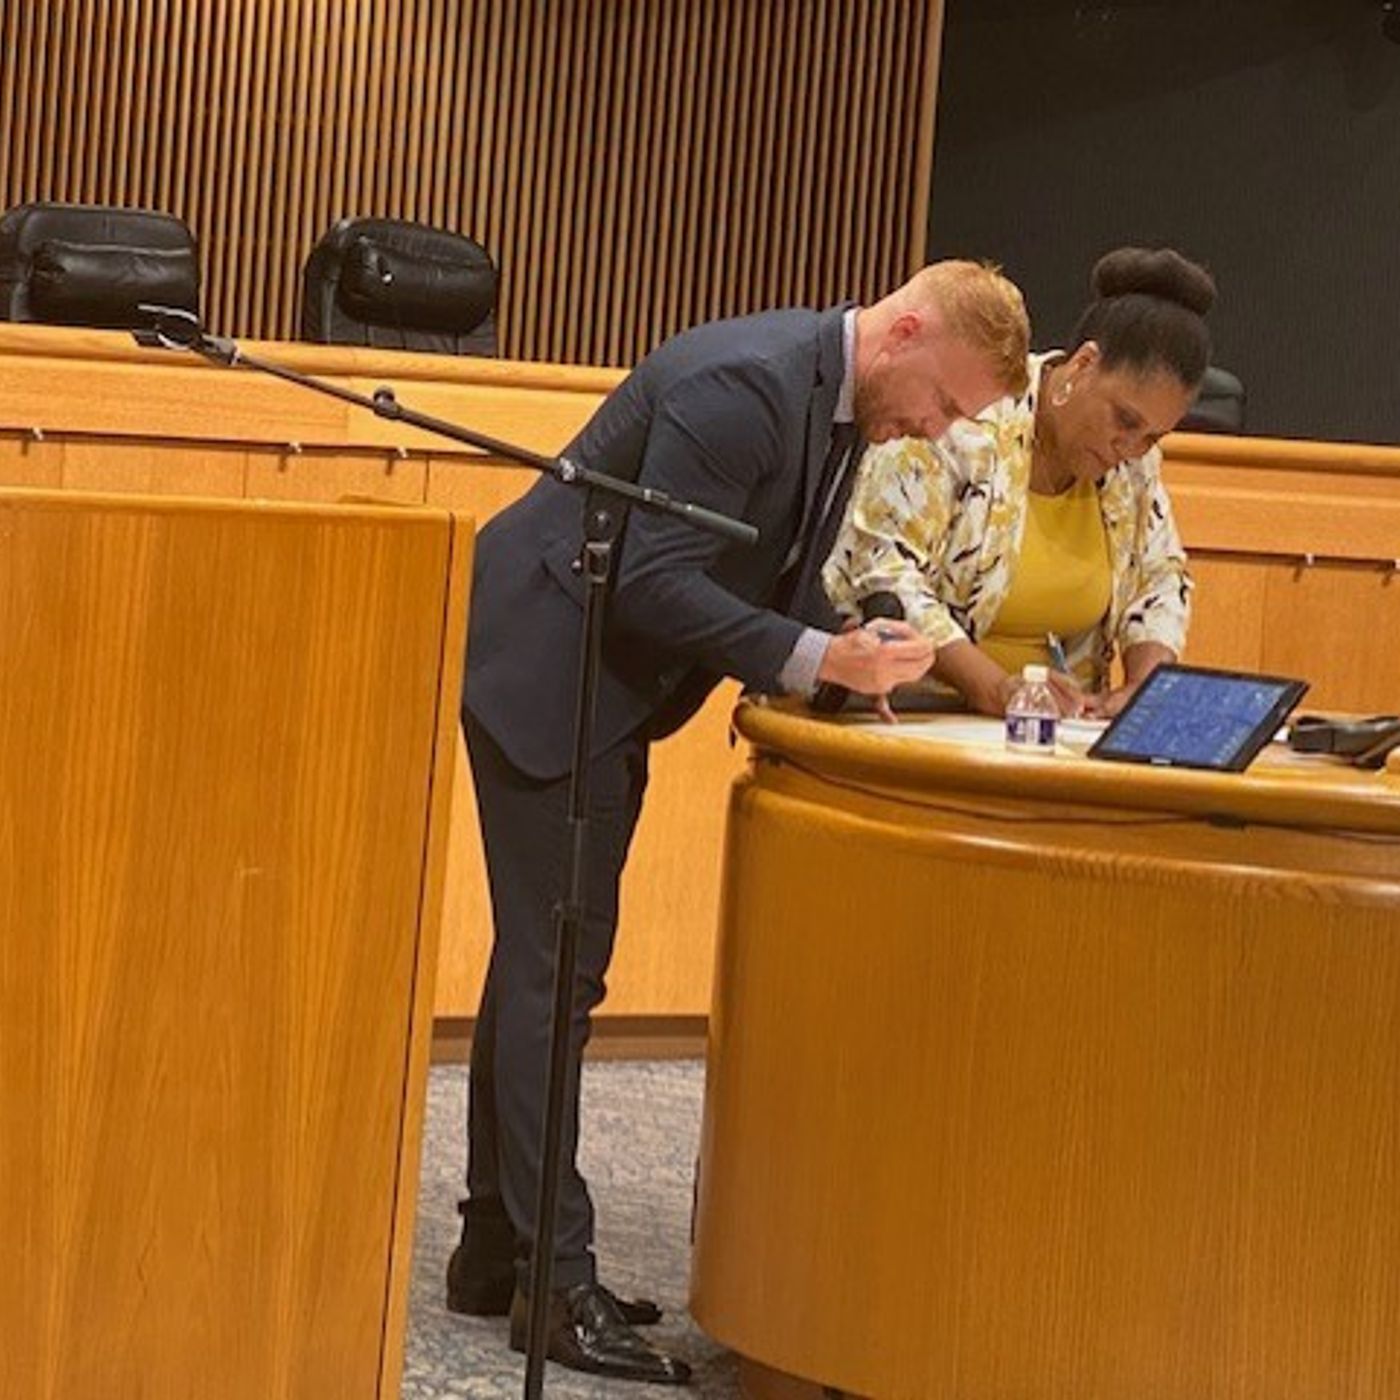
<point x="1262" y="139"/>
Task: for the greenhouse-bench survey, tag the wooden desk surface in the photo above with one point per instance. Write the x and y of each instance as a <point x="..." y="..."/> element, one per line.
<point x="1279" y="789"/>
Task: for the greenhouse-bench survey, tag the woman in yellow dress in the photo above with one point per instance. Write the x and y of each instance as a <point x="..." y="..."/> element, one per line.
<point x="1045" y="517"/>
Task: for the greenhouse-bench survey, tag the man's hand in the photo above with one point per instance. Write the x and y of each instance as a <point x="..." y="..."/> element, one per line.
<point x="872" y="660"/>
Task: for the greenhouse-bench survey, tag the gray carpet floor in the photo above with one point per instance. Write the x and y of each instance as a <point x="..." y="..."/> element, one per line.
<point x="641" y="1126"/>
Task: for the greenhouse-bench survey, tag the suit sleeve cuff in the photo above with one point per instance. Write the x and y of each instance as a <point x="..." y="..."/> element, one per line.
<point x="799" y="673"/>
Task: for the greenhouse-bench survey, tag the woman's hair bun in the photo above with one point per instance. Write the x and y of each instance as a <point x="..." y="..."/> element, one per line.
<point x="1154" y="272"/>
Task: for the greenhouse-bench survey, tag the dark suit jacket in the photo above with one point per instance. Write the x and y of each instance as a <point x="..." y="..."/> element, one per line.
<point x="733" y="415"/>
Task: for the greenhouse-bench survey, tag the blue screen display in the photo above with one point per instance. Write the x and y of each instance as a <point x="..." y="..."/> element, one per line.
<point x="1194" y="718"/>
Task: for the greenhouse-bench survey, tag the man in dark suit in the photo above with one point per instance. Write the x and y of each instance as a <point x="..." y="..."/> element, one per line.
<point x="754" y="418"/>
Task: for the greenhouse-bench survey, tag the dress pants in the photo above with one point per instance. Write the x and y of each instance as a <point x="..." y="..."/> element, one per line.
<point x="525" y="832"/>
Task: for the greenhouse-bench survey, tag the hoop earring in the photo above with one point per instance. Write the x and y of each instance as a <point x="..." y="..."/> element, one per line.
<point x="1061" y="395"/>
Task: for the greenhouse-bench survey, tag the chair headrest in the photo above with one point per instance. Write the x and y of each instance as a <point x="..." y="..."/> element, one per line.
<point x="397" y="284"/>
<point x="92" y="265"/>
<point x="1218" y="406"/>
<point x="393" y="287"/>
<point x="85" y="284"/>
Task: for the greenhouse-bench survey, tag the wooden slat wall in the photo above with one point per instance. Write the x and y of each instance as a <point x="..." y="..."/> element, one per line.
<point x="634" y="166"/>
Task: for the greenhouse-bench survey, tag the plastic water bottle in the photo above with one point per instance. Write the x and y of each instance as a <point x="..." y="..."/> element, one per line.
<point x="1031" y="713"/>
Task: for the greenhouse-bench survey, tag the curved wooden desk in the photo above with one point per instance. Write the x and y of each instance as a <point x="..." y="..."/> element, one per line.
<point x="1048" y="1079"/>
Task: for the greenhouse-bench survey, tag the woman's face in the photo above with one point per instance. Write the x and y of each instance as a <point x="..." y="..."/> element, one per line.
<point x="1109" y="415"/>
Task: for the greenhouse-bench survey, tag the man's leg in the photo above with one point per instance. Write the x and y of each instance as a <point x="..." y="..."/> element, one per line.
<point x="526" y="834"/>
<point x="481" y="1271"/>
<point x="524" y="826"/>
<point x="483" y="1154"/>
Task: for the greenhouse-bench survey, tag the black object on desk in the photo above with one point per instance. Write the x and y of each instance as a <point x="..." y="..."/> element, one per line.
<point x="832" y="698"/>
<point x="1365" y="742"/>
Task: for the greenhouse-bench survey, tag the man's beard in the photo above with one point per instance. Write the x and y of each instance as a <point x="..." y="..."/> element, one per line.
<point x="866" y="410"/>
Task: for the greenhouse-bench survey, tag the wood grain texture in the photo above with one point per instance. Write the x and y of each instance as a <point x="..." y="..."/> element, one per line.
<point x="1228" y="612"/>
<point x="218" y="739"/>
<point x="129" y="419"/>
<point x="154" y="468"/>
<point x="1335" y="621"/>
<point x="1111" y="1109"/>
<point x="437" y="855"/>
<point x="633" y="169"/>
<point x="1296" y="551"/>
<point x="1269" y="496"/>
<point x="27" y="461"/>
<point x="200" y="420"/>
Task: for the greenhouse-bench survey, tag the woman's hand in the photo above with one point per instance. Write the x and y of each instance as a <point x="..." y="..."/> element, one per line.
<point x="1139" y="662"/>
<point x="987" y="688"/>
<point x="1069" y="695"/>
<point x="1107" y="704"/>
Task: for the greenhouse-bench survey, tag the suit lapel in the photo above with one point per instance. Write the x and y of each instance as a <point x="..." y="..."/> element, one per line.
<point x="831" y="365"/>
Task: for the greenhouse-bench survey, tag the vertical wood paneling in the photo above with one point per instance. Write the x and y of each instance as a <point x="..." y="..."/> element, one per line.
<point x="634" y="168"/>
<point x="923" y="53"/>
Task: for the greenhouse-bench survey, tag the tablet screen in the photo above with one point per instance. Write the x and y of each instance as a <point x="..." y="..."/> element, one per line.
<point x="1191" y="717"/>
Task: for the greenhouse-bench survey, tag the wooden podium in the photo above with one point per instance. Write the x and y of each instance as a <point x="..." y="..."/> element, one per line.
<point x="1053" y="1079"/>
<point x="224" y="735"/>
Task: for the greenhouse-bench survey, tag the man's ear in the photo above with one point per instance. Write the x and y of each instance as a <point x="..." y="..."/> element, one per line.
<point x="905" y="328"/>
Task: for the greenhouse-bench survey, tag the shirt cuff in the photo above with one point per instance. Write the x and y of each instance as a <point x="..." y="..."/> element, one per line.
<point x="799" y="673"/>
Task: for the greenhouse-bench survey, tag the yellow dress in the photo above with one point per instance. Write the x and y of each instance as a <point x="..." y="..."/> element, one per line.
<point x="1061" y="581"/>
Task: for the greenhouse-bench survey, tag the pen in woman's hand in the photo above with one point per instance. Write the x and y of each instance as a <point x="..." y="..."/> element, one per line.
<point x="1071" y="699"/>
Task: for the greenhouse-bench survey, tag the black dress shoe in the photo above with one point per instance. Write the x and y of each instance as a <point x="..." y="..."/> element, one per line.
<point x="636" y="1312"/>
<point x="481" y="1271"/>
<point x="587" y="1332"/>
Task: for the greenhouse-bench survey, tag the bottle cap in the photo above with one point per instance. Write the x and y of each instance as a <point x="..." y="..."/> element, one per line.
<point x="1035" y="673"/>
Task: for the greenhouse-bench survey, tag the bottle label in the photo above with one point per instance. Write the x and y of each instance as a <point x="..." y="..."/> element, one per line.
<point x="1030" y="731"/>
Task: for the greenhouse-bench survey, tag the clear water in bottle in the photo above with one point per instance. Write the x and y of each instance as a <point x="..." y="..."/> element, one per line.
<point x="1032" y="714"/>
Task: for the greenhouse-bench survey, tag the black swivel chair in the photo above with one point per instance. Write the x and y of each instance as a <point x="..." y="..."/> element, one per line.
<point x="92" y="265"/>
<point x="1218" y="406"/>
<point x="400" y="286"/>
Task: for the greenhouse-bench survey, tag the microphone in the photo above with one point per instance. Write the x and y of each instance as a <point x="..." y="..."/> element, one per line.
<point x="883" y="604"/>
<point x="831" y="697"/>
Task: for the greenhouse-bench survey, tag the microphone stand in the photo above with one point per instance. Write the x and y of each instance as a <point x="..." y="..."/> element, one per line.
<point x="176" y="329"/>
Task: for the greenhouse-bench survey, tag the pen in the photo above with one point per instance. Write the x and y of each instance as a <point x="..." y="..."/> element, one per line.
<point x="1056" y="648"/>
